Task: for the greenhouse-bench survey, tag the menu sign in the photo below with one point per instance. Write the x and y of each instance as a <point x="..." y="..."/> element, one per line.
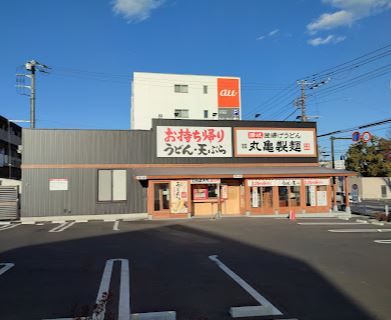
<point x="275" y="142"/>
<point x="191" y="142"/>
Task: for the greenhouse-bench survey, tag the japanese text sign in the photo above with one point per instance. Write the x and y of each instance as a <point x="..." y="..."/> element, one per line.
<point x="179" y="196"/>
<point x="275" y="142"/>
<point x="274" y="182"/>
<point x="228" y="93"/>
<point x="190" y="142"/>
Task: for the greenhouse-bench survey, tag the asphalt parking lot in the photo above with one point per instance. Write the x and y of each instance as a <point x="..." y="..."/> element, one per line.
<point x="199" y="269"/>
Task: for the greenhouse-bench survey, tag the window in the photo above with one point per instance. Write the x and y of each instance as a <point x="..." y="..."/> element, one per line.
<point x="111" y="185"/>
<point x="205" y="89"/>
<point x="262" y="197"/>
<point x="181" y="88"/>
<point x="206" y="114"/>
<point x="181" y="113"/>
<point x="384" y="191"/>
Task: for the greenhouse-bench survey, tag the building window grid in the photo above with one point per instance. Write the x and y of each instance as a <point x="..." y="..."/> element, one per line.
<point x="181" y="88"/>
<point x="181" y="113"/>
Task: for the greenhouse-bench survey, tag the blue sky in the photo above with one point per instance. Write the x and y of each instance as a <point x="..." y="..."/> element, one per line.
<point x="94" y="46"/>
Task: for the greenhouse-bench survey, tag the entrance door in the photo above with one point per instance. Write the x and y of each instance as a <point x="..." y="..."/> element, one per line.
<point x="289" y="198"/>
<point x="231" y="205"/>
<point x="261" y="200"/>
<point x="161" y="194"/>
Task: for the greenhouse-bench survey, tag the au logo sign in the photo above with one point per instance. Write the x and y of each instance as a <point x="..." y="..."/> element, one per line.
<point x="228" y="93"/>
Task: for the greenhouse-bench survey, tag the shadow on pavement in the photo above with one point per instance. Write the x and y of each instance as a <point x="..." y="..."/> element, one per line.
<point x="170" y="270"/>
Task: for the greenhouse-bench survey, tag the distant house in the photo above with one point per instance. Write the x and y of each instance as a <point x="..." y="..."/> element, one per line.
<point x="10" y="158"/>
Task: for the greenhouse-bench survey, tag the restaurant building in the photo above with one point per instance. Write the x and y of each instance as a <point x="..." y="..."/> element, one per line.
<point x="178" y="169"/>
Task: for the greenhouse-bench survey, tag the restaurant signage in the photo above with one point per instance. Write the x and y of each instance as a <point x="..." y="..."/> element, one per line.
<point x="274" y="182"/>
<point x="190" y="142"/>
<point x="204" y="181"/>
<point x="179" y="196"/>
<point x="275" y="142"/>
<point x="316" y="182"/>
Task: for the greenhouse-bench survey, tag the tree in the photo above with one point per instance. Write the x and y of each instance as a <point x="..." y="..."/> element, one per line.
<point x="370" y="159"/>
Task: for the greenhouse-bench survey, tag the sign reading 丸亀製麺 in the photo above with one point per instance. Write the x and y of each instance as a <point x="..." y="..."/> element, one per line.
<point x="58" y="184"/>
<point x="190" y="142"/>
<point x="275" y="142"/>
<point x="273" y="182"/>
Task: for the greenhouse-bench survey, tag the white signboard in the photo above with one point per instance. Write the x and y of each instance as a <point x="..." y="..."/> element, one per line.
<point x="254" y="198"/>
<point x="191" y="142"/>
<point x="58" y="184"/>
<point x="204" y="181"/>
<point x="274" y="182"/>
<point x="322" y="198"/>
<point x="316" y="182"/>
<point x="179" y="196"/>
<point x="275" y="142"/>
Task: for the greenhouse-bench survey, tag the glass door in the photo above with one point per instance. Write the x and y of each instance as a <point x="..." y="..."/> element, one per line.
<point x="161" y="194"/>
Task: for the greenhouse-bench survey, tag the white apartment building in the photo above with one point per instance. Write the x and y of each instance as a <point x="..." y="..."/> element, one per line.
<point x="170" y="96"/>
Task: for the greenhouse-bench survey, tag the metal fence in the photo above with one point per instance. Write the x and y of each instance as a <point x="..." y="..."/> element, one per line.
<point x="9" y="203"/>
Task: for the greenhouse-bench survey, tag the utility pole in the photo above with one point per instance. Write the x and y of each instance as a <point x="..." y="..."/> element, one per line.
<point x="32" y="66"/>
<point x="332" y="139"/>
<point x="300" y="102"/>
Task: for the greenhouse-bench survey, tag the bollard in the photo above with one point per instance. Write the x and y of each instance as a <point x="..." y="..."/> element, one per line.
<point x="292" y="215"/>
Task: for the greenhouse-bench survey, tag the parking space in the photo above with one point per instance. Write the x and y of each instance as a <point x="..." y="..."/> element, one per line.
<point x="194" y="270"/>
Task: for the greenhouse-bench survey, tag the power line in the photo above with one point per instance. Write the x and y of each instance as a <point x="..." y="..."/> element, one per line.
<point x="373" y="124"/>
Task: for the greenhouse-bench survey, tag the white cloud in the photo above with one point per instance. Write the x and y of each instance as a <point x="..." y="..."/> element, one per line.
<point x="326" y="40"/>
<point x="349" y="12"/>
<point x="269" y="34"/>
<point x="272" y="33"/>
<point x="135" y="10"/>
<point x="331" y="20"/>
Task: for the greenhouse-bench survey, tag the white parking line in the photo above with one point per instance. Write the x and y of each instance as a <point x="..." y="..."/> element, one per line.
<point x="9" y="226"/>
<point x="124" y="297"/>
<point x="265" y="308"/>
<point x="63" y="226"/>
<point x="383" y="241"/>
<point x="360" y="230"/>
<point x="329" y="223"/>
<point x="115" y="226"/>
<point x="6" y="267"/>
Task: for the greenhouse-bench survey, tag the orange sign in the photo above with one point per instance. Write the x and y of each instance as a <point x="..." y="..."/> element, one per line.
<point x="228" y="93"/>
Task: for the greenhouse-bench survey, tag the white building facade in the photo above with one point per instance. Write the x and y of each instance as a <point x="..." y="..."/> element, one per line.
<point x="175" y="96"/>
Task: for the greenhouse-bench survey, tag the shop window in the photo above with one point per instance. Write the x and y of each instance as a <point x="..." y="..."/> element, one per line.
<point x="316" y="196"/>
<point x="181" y="88"/>
<point x="262" y="197"/>
<point x="111" y="185"/>
<point x="205" y="191"/>
<point x="283" y="197"/>
<point x="294" y="196"/>
<point x="289" y="196"/>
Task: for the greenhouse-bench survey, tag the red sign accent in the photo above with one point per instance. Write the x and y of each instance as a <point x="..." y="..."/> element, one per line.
<point x="228" y="93"/>
<point x="366" y="136"/>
